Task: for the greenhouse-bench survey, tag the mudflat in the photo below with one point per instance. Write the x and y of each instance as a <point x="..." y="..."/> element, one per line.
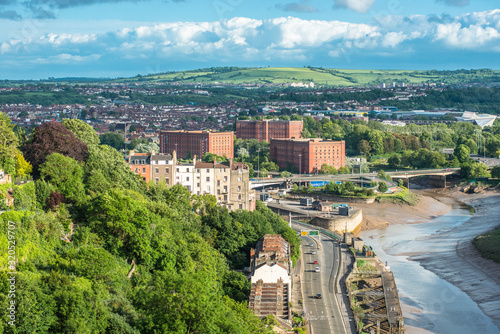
<point x="462" y="265"/>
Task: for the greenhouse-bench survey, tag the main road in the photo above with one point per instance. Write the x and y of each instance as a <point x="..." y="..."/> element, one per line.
<point x="328" y="314"/>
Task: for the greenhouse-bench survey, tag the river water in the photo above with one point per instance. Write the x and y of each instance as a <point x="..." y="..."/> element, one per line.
<point x="430" y="304"/>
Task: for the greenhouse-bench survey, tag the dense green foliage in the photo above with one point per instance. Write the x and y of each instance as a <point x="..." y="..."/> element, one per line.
<point x="115" y="256"/>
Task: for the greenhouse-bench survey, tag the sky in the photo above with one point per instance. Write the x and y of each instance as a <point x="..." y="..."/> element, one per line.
<point x="123" y="38"/>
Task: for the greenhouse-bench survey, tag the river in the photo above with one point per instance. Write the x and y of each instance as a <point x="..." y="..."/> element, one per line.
<point x="430" y="304"/>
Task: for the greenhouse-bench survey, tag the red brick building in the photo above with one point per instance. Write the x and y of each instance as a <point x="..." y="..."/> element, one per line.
<point x="265" y="129"/>
<point x="307" y="155"/>
<point x="197" y="143"/>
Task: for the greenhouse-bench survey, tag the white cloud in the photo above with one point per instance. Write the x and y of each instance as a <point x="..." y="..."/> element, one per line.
<point x="360" y="6"/>
<point x="65" y="58"/>
<point x="283" y="39"/>
<point x="466" y="37"/>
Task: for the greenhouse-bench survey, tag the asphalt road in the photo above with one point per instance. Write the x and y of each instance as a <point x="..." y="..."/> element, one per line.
<point x="324" y="314"/>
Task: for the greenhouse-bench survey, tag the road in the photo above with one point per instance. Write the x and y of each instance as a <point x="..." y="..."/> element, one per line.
<point x="325" y="314"/>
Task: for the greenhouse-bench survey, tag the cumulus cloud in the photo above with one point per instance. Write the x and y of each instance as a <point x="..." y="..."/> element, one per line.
<point x="360" y="6"/>
<point x="284" y="40"/>
<point x="456" y="3"/>
<point x="301" y="7"/>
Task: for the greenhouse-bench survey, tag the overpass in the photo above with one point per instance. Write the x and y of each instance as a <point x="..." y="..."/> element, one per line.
<point x="436" y="174"/>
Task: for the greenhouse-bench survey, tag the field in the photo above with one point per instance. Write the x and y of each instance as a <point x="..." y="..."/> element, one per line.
<point x="320" y="76"/>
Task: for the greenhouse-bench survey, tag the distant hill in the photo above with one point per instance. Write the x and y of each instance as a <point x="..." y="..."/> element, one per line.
<point x="320" y="76"/>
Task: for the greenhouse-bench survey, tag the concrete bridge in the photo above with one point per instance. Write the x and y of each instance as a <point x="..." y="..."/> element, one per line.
<point x="438" y="175"/>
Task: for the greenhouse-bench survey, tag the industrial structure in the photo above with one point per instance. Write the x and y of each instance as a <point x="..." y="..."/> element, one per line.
<point x="307" y="155"/>
<point x="265" y="129"/>
<point x="190" y="143"/>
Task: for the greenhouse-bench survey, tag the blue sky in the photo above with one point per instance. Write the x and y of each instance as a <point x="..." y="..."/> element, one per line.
<point x="119" y="38"/>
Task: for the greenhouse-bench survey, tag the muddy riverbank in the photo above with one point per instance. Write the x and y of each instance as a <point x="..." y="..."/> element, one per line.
<point x="446" y="251"/>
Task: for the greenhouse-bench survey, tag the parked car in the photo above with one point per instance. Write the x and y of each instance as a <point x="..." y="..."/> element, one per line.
<point x="311" y="244"/>
<point x="317" y="269"/>
<point x="318" y="296"/>
<point x="313" y="252"/>
<point x="315" y="261"/>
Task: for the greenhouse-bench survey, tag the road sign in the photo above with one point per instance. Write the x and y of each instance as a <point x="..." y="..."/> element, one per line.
<point x="303" y="232"/>
<point x="313" y="232"/>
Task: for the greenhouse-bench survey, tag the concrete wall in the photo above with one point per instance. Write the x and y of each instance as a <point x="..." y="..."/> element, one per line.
<point x="340" y="223"/>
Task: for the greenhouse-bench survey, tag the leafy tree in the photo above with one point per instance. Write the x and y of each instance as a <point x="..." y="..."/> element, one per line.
<point x="327" y="169"/>
<point x="344" y="170"/>
<point x="148" y="148"/>
<point x="495" y="172"/>
<point x="82" y="131"/>
<point x="285" y="174"/>
<point x="373" y="183"/>
<point x="474" y="170"/>
<point x="364" y="147"/>
<point x="106" y="169"/>
<point x="8" y="139"/>
<point x="242" y="153"/>
<point x="136" y="141"/>
<point x="382" y="187"/>
<point x="394" y="161"/>
<point x="400" y="182"/>
<point x="209" y="157"/>
<point x="462" y="153"/>
<point x="23" y="168"/>
<point x="66" y="174"/>
<point x="53" y="138"/>
<point x="112" y="139"/>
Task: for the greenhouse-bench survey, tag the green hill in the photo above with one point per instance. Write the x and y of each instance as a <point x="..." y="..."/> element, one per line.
<point x="320" y="76"/>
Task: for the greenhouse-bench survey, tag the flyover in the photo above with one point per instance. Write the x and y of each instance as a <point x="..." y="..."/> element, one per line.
<point x="439" y="174"/>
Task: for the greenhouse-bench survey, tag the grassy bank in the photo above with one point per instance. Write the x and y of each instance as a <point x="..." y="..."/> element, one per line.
<point x="488" y="245"/>
<point x="404" y="197"/>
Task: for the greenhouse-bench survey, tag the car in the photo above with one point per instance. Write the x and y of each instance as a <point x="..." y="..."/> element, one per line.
<point x="311" y="244"/>
<point x="318" y="296"/>
<point x="315" y="261"/>
<point x="317" y="269"/>
<point x="313" y="252"/>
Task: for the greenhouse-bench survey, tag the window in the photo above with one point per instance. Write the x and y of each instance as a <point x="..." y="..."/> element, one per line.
<point x="218" y="183"/>
<point x="177" y="170"/>
<point x="144" y="170"/>
<point x="198" y="170"/>
<point x="239" y="188"/>
<point x="198" y="185"/>
<point x="208" y="179"/>
<point x="208" y="170"/>
<point x="167" y="181"/>
<point x="136" y="170"/>
<point x="187" y="178"/>
<point x="218" y="191"/>
<point x="157" y="170"/>
<point x="225" y="198"/>
<point x="239" y="179"/>
<point x="156" y="181"/>
<point x="225" y="189"/>
<point x="166" y="170"/>
<point x="225" y="178"/>
<point x="239" y="197"/>
<point x="241" y="206"/>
